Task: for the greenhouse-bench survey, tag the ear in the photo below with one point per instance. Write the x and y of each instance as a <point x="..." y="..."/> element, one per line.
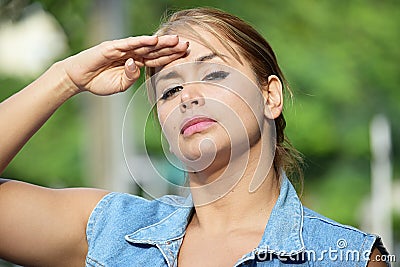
<point x="273" y="97"/>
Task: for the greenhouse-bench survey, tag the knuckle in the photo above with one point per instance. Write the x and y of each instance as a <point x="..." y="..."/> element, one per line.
<point x="108" y="45"/>
<point x="152" y="62"/>
<point x="105" y="44"/>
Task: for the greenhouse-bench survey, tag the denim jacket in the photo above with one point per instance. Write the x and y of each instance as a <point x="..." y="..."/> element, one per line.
<point x="126" y="230"/>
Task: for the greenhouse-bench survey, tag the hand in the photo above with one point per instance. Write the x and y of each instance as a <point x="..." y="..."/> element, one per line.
<point x="113" y="66"/>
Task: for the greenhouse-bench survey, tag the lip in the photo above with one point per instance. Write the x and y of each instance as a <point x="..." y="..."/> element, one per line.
<point x="195" y="124"/>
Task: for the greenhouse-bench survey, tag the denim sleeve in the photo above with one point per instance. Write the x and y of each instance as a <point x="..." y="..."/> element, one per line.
<point x="97" y="212"/>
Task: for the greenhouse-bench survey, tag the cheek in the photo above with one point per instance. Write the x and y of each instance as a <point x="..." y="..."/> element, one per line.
<point x="247" y="117"/>
<point x="250" y="108"/>
<point x="164" y="112"/>
<point x="168" y="116"/>
<point x="246" y="97"/>
<point x="161" y="115"/>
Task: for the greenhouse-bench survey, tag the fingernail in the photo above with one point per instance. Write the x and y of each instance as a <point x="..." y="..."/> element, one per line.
<point x="186" y="43"/>
<point x="131" y="64"/>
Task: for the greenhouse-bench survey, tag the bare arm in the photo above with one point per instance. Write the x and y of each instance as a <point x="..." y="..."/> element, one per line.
<point x="102" y="70"/>
<point x="46" y="227"/>
<point x="25" y="112"/>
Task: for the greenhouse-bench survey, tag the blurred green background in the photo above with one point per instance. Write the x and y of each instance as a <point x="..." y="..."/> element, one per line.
<point x="341" y="59"/>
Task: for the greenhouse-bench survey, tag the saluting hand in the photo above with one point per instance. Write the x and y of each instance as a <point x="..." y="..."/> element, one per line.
<point x="113" y="66"/>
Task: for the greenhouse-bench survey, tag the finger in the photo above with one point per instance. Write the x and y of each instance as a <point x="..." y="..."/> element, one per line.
<point x="167" y="40"/>
<point x="134" y="46"/>
<point x="163" y="42"/>
<point x="153" y="42"/>
<point x="118" y="48"/>
<point x="164" y="60"/>
<point x="132" y="72"/>
<point x="133" y="42"/>
<point x="179" y="48"/>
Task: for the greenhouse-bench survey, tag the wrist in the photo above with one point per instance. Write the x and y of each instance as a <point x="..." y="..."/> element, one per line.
<point x="63" y="83"/>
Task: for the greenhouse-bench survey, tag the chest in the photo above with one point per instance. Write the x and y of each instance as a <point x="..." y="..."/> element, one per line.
<point x="216" y="251"/>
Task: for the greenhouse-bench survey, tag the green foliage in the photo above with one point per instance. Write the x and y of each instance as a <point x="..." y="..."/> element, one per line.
<point x="53" y="156"/>
<point x="339" y="193"/>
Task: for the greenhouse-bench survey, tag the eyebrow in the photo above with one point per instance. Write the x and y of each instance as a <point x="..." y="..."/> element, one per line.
<point x="206" y="57"/>
<point x="174" y="74"/>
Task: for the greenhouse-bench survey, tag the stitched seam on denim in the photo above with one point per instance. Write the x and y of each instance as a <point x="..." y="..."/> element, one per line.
<point x="165" y="256"/>
<point x="95" y="216"/>
<point x="178" y="200"/>
<point x="96" y="213"/>
<point x="363" y="248"/>
<point x="93" y="262"/>
<point x="348" y="227"/>
<point x="153" y="225"/>
<point x="302" y="225"/>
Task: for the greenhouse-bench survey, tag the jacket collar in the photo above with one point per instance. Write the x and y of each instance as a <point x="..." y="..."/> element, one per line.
<point x="168" y="229"/>
<point x="282" y="235"/>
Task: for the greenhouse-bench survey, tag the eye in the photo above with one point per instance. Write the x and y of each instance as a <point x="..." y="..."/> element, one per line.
<point x="171" y="91"/>
<point x="216" y="75"/>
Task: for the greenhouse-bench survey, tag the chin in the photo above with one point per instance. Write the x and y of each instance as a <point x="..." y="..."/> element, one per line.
<point x="201" y="151"/>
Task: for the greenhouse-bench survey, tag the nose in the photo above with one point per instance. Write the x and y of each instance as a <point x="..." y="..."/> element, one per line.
<point x="191" y="97"/>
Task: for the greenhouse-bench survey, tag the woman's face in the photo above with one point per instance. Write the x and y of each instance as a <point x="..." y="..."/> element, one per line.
<point x="208" y="105"/>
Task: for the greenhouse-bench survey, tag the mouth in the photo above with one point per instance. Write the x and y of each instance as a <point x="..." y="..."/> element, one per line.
<point x="196" y="125"/>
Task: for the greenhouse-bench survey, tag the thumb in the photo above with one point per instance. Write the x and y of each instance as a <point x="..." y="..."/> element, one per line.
<point x="132" y="73"/>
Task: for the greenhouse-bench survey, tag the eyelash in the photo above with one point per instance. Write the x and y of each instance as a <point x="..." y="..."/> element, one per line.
<point x="170" y="92"/>
<point x="215" y="75"/>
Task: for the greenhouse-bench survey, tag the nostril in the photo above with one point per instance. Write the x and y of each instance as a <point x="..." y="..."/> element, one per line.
<point x="184" y="105"/>
<point x="195" y="102"/>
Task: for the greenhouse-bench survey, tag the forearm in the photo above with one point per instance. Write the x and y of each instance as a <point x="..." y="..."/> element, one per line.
<point x="103" y="70"/>
<point x="24" y="113"/>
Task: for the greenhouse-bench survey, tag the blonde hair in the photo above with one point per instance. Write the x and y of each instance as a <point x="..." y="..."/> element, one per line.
<point x="254" y="48"/>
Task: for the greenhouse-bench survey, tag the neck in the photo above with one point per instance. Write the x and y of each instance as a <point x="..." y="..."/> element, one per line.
<point x="241" y="197"/>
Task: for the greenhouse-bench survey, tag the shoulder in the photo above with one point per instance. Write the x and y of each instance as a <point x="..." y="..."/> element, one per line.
<point x="333" y="241"/>
<point x="317" y="226"/>
<point x="133" y="202"/>
<point x="315" y="220"/>
<point x="123" y="204"/>
<point x="119" y="210"/>
<point x="118" y="215"/>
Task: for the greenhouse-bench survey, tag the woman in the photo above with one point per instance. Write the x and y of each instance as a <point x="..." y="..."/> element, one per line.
<point x="218" y="89"/>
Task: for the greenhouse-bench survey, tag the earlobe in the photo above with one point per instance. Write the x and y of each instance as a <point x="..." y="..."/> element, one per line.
<point x="273" y="97"/>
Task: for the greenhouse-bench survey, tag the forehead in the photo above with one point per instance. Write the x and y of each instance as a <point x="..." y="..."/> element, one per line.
<point x="202" y="43"/>
<point x="204" y="46"/>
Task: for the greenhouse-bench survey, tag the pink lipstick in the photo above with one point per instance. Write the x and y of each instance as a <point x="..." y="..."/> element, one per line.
<point x="196" y="125"/>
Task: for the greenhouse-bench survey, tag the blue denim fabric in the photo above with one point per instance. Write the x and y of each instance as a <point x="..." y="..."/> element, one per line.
<point x="126" y="230"/>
